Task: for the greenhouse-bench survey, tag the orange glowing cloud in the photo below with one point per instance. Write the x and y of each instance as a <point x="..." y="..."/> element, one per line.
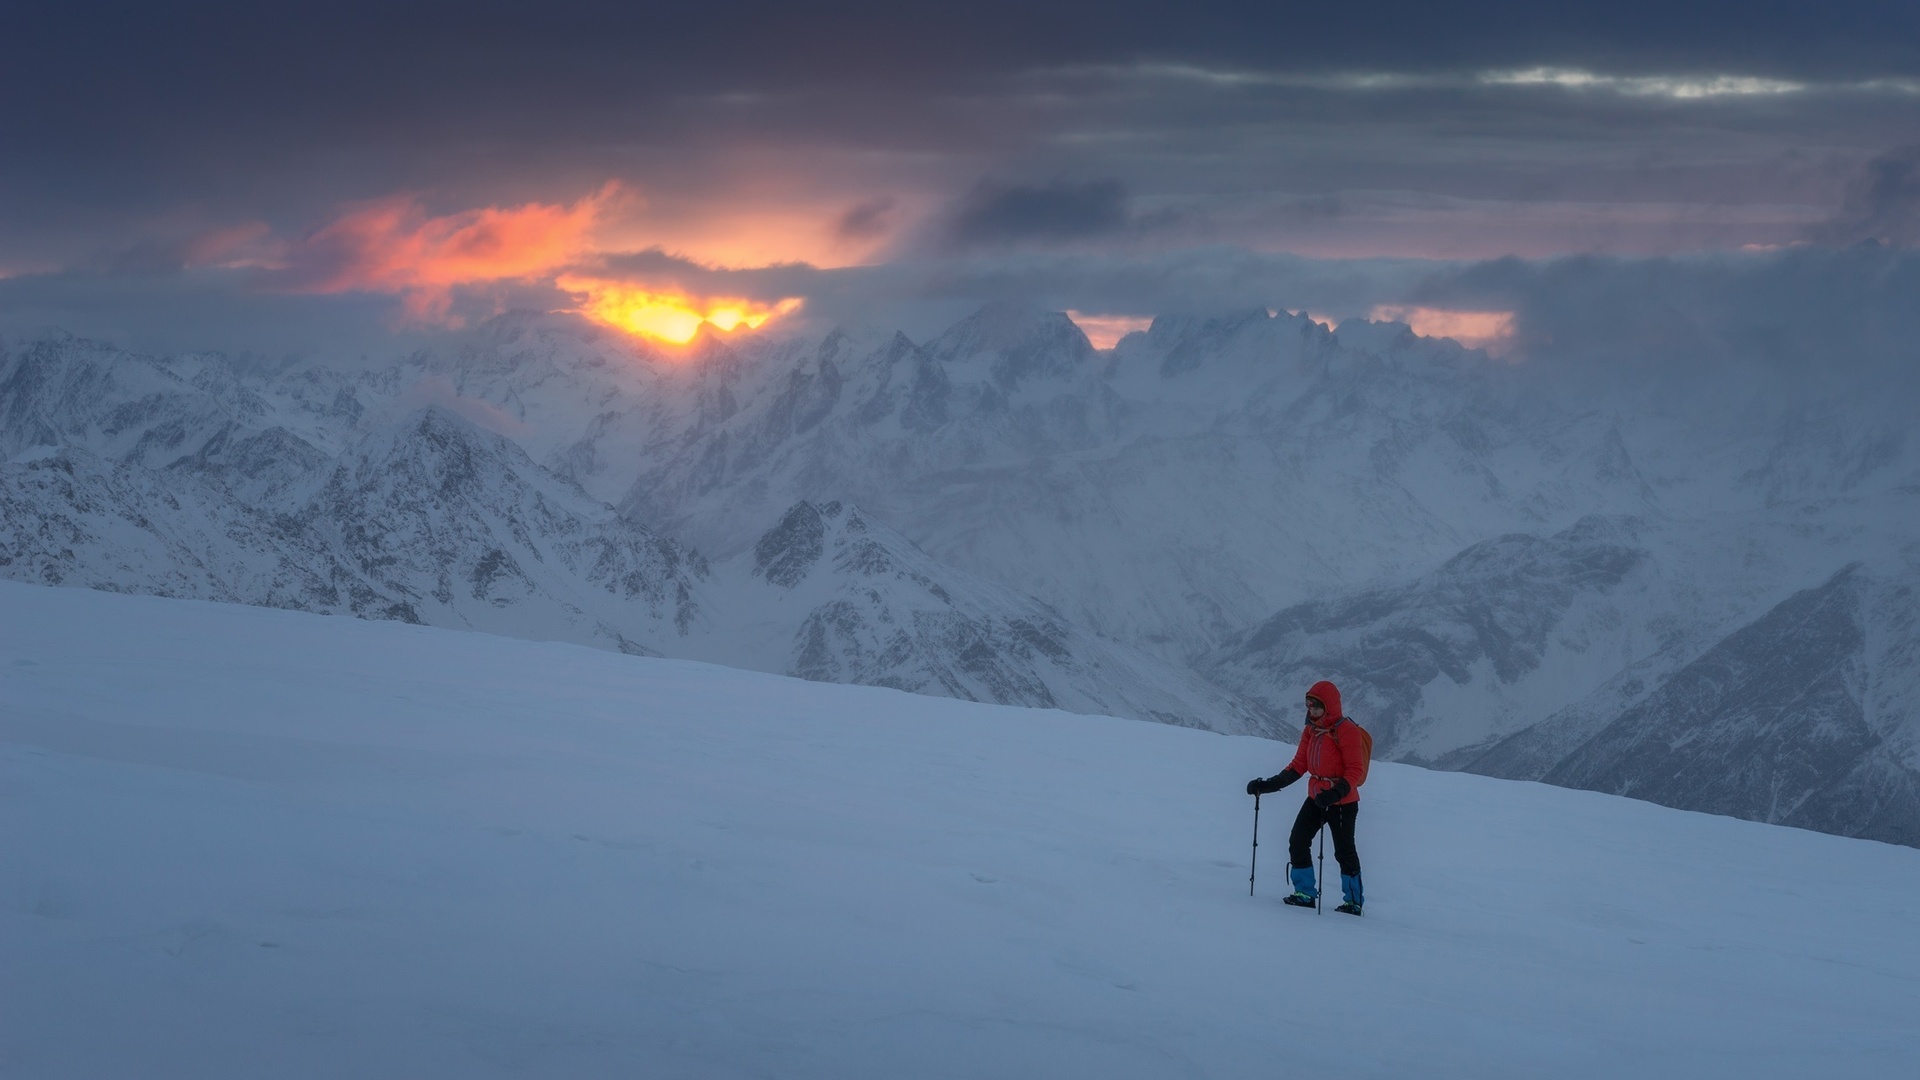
<point x="1489" y="330"/>
<point x="671" y="315"/>
<point x="393" y="246"/>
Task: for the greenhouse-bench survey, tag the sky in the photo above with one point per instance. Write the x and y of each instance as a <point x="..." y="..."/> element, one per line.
<point x="231" y="175"/>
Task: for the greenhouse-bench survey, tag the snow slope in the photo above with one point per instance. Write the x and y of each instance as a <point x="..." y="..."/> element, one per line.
<point x="241" y="842"/>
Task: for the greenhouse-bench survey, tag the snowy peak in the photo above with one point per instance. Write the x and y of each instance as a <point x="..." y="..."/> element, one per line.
<point x="787" y="552"/>
<point x="1496" y="614"/>
<point x="465" y="523"/>
<point x="274" y="467"/>
<point x="71" y="518"/>
<point x="836" y="543"/>
<point x="1802" y="717"/>
<point x="520" y="350"/>
<point x="438" y="453"/>
<point x="1822" y="451"/>
<point x="1250" y="343"/>
<point x="862" y="604"/>
<point x="1013" y="344"/>
<point x="122" y="406"/>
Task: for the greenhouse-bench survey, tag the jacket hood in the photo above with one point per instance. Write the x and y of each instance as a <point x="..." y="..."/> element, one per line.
<point x="1329" y="696"/>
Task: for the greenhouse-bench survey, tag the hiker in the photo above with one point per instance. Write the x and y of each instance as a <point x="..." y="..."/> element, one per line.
<point x="1333" y="752"/>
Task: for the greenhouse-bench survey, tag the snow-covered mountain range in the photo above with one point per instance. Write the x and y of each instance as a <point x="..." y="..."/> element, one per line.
<point x="1509" y="571"/>
<point x="134" y="474"/>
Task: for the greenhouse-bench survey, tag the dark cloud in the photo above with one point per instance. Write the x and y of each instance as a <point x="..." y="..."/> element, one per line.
<point x="1808" y="321"/>
<point x="360" y="51"/>
<point x="132" y="133"/>
<point x="113" y="114"/>
<point x="999" y="213"/>
<point x="866" y="220"/>
<point x="659" y="269"/>
<point x="1882" y="205"/>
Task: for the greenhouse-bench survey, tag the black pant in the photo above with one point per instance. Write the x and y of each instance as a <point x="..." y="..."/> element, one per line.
<point x="1340" y="816"/>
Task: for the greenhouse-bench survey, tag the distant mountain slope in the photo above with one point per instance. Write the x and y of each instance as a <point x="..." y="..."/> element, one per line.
<point x="829" y="595"/>
<point x="426" y="516"/>
<point x="119" y="405"/>
<point x="432" y="520"/>
<point x="1808" y="716"/>
<point x="1667" y="663"/>
<point x="69" y="518"/>
<point x="1472" y="650"/>
<point x="474" y="534"/>
<point x="1217" y="466"/>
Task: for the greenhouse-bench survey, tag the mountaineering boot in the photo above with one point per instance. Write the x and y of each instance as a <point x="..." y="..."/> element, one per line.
<point x="1305" y="891"/>
<point x="1351" y="893"/>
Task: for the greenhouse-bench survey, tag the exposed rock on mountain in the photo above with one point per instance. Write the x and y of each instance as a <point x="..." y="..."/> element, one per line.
<point x="840" y="598"/>
<point x="1806" y="716"/>
<point x="1485" y="631"/>
<point x="69" y="518"/>
<point x="472" y="533"/>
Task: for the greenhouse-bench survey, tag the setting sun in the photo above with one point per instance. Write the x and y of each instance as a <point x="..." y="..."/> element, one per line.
<point x="667" y="316"/>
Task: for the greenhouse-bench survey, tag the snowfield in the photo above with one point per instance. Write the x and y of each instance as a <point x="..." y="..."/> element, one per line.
<point x="238" y="842"/>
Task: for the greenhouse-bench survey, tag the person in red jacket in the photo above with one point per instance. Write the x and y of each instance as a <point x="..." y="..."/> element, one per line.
<point x="1332" y="755"/>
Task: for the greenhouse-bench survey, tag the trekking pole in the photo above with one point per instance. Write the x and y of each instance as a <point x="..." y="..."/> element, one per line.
<point x="1322" y="890"/>
<point x="1256" y="845"/>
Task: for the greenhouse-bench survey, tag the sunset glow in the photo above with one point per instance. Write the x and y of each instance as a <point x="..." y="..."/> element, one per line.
<point x="1105" y="331"/>
<point x="1489" y="330"/>
<point x="672" y="315"/>
<point x="393" y="246"/>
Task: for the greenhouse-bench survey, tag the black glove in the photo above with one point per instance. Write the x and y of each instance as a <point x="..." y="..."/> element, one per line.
<point x="1334" y="793"/>
<point x="1272" y="783"/>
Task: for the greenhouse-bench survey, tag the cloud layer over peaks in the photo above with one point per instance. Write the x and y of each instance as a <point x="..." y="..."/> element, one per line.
<point x="1882" y="204"/>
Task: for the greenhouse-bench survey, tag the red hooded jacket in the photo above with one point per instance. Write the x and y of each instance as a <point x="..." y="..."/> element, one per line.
<point x="1330" y="748"/>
